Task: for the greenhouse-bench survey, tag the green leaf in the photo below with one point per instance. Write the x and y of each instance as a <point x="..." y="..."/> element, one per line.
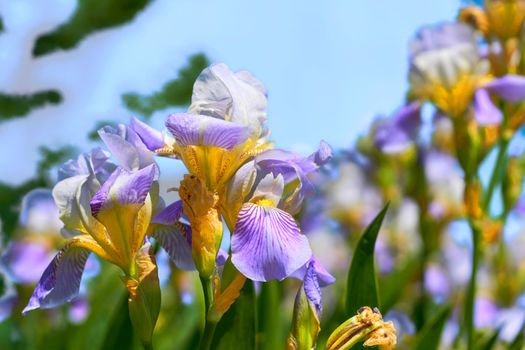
<point x="487" y="343"/>
<point x="393" y="285"/>
<point x="361" y="288"/>
<point x="119" y="334"/>
<point x="89" y="17"/>
<point x="14" y="106"/>
<point x="176" y="92"/>
<point x="430" y="335"/>
<point x="270" y="333"/>
<point x="236" y="329"/>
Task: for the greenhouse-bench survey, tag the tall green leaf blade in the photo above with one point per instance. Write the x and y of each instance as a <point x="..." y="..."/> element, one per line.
<point x="487" y="343"/>
<point x="236" y="329"/>
<point x="430" y="335"/>
<point x="361" y="288"/>
<point x="269" y="317"/>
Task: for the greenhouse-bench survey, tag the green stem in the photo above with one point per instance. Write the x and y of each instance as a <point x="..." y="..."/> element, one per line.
<point x="497" y="172"/>
<point x="209" y="326"/>
<point x="471" y="292"/>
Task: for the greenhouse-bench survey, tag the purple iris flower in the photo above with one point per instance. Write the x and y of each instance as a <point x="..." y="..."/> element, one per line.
<point x="267" y="243"/>
<point x="60" y="282"/>
<point x="395" y="134"/>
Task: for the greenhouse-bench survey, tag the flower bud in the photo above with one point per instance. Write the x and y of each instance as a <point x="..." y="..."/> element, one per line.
<point x="367" y="326"/>
<point x="305" y="323"/>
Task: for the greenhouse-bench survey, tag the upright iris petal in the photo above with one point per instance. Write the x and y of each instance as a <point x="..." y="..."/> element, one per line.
<point x="267" y="244"/>
<point x="236" y="97"/>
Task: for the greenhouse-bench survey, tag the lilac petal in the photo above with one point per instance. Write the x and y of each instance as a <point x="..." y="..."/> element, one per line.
<point x="267" y="244"/>
<point x="78" y="310"/>
<point x="269" y="188"/>
<point x="60" y="281"/>
<point x="222" y="257"/>
<point x="8" y="302"/>
<point x="123" y="151"/>
<point x="509" y="87"/>
<point x="322" y="155"/>
<point x="323" y="276"/>
<point x="192" y="129"/>
<point x="176" y="240"/>
<point x="94" y="162"/>
<point x="485" y="112"/>
<point x="398" y="132"/>
<point x="126" y="188"/>
<point x="39" y="212"/>
<point x="151" y="138"/>
<point x="169" y="215"/>
<point x="311" y="287"/>
<point x="24" y="261"/>
<point x="237" y="97"/>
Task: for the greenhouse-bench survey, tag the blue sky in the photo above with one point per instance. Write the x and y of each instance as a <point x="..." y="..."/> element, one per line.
<point x="329" y="68"/>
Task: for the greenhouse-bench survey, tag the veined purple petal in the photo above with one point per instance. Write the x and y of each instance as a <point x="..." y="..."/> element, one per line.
<point x="151" y="138"/>
<point x="193" y="129"/>
<point x="61" y="279"/>
<point x="267" y="244"/>
<point x="127" y="187"/>
<point x="169" y="215"/>
<point x="311" y="287"/>
<point x="485" y="112"/>
<point x="24" y="261"/>
<point x="323" y="276"/>
<point x="176" y="241"/>
<point x="509" y="87"/>
<point x="115" y="140"/>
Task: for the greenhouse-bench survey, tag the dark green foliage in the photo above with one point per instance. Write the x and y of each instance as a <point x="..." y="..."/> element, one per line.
<point x="429" y="337"/>
<point x="11" y="196"/>
<point x="236" y="329"/>
<point x="89" y="16"/>
<point x="176" y="92"/>
<point x="12" y="106"/>
<point x="361" y="285"/>
<point x="393" y="285"/>
<point x="270" y="333"/>
<point x="519" y="342"/>
<point x="488" y="342"/>
<point x="2" y="28"/>
<point x="119" y="334"/>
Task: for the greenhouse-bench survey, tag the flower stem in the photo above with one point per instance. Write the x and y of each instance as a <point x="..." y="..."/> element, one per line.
<point x="209" y="326"/>
<point x="496" y="173"/>
<point x="471" y="291"/>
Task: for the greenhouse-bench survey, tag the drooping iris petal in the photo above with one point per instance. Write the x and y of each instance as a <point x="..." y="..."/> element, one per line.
<point x="176" y="241"/>
<point x="237" y="97"/>
<point x="60" y="281"/>
<point x="124" y="187"/>
<point x="65" y="194"/>
<point x="322" y="155"/>
<point x="193" y="129"/>
<point x="323" y="276"/>
<point x="39" y="213"/>
<point x="311" y="287"/>
<point x="485" y="112"/>
<point x="400" y="131"/>
<point x="509" y="87"/>
<point x="169" y="215"/>
<point x="267" y="244"/>
<point x="151" y="138"/>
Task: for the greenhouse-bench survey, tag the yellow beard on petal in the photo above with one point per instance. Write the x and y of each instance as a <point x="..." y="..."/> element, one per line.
<point x="455" y="101"/>
<point x="216" y="165"/>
